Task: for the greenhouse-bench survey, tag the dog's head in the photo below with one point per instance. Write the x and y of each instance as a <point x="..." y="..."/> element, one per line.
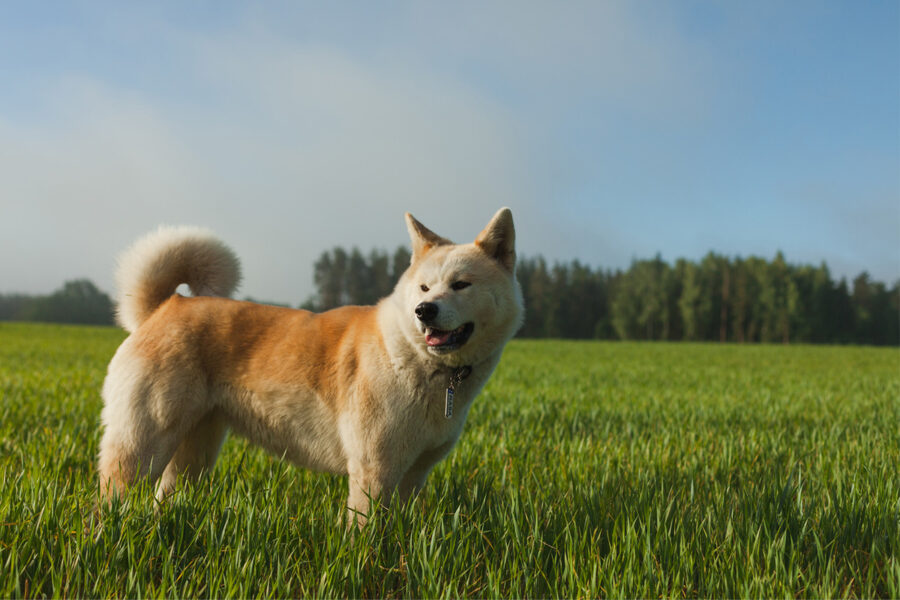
<point x="461" y="302"/>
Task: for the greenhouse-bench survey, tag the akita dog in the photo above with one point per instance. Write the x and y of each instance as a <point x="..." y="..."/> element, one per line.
<point x="379" y="393"/>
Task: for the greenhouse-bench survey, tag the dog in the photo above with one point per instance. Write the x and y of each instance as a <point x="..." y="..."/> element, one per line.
<point x="378" y="393"/>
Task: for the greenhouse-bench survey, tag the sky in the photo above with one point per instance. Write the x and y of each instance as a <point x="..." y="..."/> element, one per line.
<point x="615" y="131"/>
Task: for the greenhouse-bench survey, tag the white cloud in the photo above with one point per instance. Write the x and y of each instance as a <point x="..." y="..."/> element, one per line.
<point x="600" y="55"/>
<point x="69" y="185"/>
<point x="307" y="149"/>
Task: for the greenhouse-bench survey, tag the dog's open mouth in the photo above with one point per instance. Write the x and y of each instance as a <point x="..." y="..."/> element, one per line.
<point x="443" y="341"/>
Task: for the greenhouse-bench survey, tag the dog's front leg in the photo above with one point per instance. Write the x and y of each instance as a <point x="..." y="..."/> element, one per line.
<point x="414" y="478"/>
<point x="371" y="485"/>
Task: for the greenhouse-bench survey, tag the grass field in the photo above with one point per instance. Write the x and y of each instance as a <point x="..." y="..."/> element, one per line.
<point x="586" y="469"/>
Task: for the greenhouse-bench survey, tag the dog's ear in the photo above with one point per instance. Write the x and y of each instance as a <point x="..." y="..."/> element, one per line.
<point x="498" y="239"/>
<point x="423" y="239"/>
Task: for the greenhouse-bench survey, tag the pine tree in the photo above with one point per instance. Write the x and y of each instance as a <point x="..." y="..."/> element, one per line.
<point x="689" y="302"/>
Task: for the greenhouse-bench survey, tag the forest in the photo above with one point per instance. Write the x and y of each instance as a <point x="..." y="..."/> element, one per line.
<point x="719" y="299"/>
<point x="716" y="299"/>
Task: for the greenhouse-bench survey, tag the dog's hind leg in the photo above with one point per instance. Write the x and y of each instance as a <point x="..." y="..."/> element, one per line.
<point x="145" y="417"/>
<point x="196" y="454"/>
<point x="128" y="453"/>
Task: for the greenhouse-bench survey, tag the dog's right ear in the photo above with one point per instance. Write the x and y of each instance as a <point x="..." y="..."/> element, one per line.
<point x="422" y="238"/>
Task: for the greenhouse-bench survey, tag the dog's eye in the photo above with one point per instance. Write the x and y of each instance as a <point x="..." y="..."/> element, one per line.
<point x="423" y="287"/>
<point x="459" y="285"/>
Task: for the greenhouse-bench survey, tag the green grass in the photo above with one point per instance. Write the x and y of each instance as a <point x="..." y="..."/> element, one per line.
<point x="586" y="469"/>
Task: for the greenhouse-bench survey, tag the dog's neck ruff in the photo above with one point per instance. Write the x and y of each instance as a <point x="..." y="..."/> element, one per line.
<point x="459" y="373"/>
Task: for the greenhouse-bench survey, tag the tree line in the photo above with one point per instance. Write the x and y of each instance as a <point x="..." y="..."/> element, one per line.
<point x="78" y="301"/>
<point x="716" y="299"/>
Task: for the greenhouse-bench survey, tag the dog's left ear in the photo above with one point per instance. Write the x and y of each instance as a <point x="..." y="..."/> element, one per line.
<point x="422" y="238"/>
<point x="498" y="239"/>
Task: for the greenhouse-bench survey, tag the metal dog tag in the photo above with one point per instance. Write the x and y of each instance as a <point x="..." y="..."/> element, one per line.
<point x="448" y="402"/>
<point x="456" y="378"/>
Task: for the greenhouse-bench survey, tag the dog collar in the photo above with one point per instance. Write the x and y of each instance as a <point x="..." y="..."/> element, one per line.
<point x="459" y="373"/>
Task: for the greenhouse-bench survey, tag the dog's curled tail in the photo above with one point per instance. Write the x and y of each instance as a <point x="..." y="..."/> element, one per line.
<point x="155" y="265"/>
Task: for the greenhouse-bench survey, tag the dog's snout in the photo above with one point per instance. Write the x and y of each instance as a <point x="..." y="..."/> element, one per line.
<point x="426" y="311"/>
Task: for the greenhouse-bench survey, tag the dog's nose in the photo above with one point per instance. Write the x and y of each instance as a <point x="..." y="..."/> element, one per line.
<point x="426" y="311"/>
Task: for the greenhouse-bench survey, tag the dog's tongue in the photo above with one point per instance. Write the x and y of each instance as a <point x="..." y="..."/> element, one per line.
<point x="437" y="338"/>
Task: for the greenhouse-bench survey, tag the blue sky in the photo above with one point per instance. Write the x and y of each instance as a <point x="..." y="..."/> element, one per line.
<point x="615" y="130"/>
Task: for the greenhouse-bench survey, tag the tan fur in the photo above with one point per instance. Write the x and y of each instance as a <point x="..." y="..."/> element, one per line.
<point x="354" y="390"/>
